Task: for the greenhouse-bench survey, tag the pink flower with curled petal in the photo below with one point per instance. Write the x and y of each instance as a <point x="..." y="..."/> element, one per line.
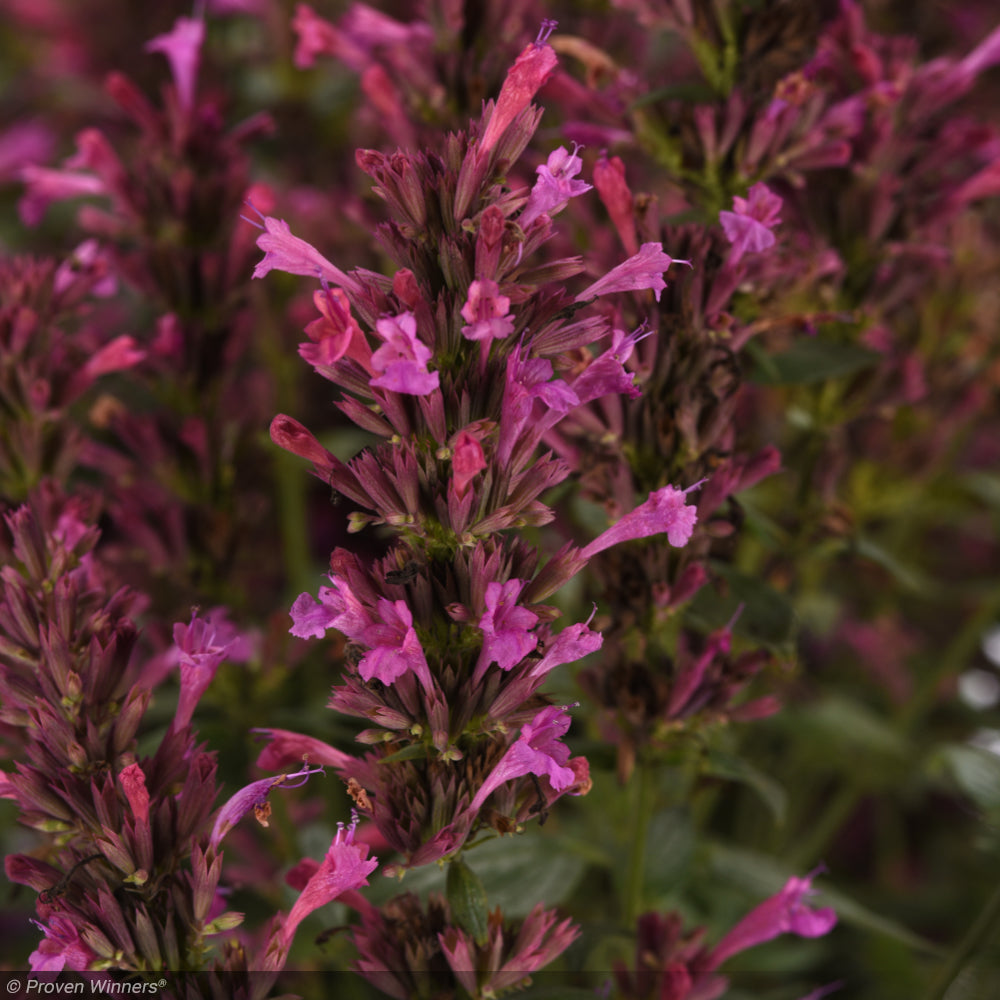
<point x="536" y="751"/>
<point x="644" y="270"/>
<point x="555" y="185"/>
<point x="748" y="227"/>
<point x="525" y="78"/>
<point x="134" y="785"/>
<point x="783" y="913"/>
<point x="506" y="628"/>
<point x="663" y="511"/>
<point x="486" y="312"/>
<point x="254" y="796"/>
<point x="182" y="47"/>
<point x="402" y="359"/>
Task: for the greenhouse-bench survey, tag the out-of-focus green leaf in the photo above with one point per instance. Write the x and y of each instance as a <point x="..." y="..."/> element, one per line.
<point x="976" y="771"/>
<point x="843" y="723"/>
<point x="669" y="847"/>
<point x="723" y="765"/>
<point x="767" y="614"/>
<point x="811" y="360"/>
<point x="516" y="872"/>
<point x="907" y="576"/>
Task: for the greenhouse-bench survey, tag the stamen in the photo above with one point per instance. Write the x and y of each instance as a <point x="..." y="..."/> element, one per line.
<point x="259" y="213"/>
<point x="548" y="26"/>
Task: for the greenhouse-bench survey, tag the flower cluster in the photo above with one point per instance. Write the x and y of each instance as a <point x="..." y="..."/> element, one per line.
<point x="452" y="643"/>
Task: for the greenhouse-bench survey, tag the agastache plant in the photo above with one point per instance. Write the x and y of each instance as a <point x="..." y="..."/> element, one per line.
<point x="457" y="375"/>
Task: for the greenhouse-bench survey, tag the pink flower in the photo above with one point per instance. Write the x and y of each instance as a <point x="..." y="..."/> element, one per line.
<point x="486" y="311"/>
<point x="613" y="190"/>
<point x="199" y="648"/>
<point x="784" y="913"/>
<point x="573" y="643"/>
<point x="116" y="355"/>
<point x="61" y="948"/>
<point x="134" y="785"/>
<point x="507" y="637"/>
<point x="338" y="608"/>
<point x="335" y="334"/>
<point x="254" y="796"/>
<point x="182" y="47"/>
<point x="748" y="227"/>
<point x="525" y="78"/>
<point x="46" y="185"/>
<point x="395" y="648"/>
<point x="287" y="748"/>
<point x="526" y="382"/>
<point x="467" y="459"/>
<point x="555" y="185"/>
<point x="402" y="360"/>
<point x="607" y="374"/>
<point x="663" y="511"/>
<point x="644" y="270"/>
<point x="536" y="751"/>
<point x="285" y="252"/>
<point x="346" y="867"/>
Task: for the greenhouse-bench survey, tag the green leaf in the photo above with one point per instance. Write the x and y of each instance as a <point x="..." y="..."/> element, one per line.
<point x="767" y="614"/>
<point x="467" y="899"/>
<point x="906" y="576"/>
<point x="812" y="360"/>
<point x="723" y="765"/>
<point x="669" y="849"/>
<point x="975" y="771"/>
<point x="414" y="751"/>
<point x="840" y="722"/>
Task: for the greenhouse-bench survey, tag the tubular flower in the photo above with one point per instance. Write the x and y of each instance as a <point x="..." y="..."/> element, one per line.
<point x="749" y="226"/>
<point x="254" y="796"/>
<point x="345" y="867"/>
<point x="182" y="47"/>
<point x="284" y="251"/>
<point x="555" y="185"/>
<point x="401" y="362"/>
<point x="644" y="270"/>
<point x="507" y="637"/>
<point x="526" y="77"/>
<point x="486" y="312"/>
<point x="536" y="751"/>
<point x="395" y="647"/>
<point x="664" y="511"/>
<point x="783" y="913"/>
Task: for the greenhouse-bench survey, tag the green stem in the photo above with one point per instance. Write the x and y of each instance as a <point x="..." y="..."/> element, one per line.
<point x="643" y="815"/>
<point x="822" y="831"/>
<point x="986" y="928"/>
<point x="290" y="488"/>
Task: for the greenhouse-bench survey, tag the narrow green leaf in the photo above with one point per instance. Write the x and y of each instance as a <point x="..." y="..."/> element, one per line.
<point x="467" y="899"/>
<point x="813" y="360"/>
<point x="723" y="765"/>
